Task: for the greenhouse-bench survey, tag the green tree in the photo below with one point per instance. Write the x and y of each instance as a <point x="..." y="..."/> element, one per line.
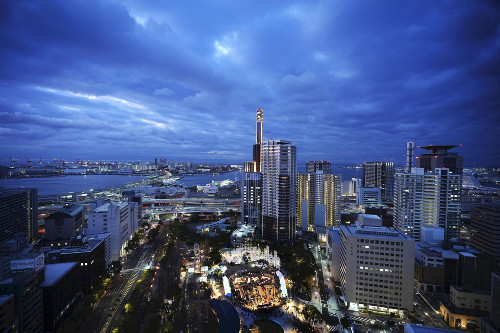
<point x="312" y="315"/>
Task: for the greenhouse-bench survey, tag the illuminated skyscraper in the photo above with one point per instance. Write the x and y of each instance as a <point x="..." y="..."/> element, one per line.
<point x="427" y="199"/>
<point x="257" y="147"/>
<point x="318" y="200"/>
<point x="279" y="194"/>
<point x="251" y="200"/>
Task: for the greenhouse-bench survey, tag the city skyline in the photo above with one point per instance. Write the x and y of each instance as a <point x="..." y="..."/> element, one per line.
<point x="345" y="82"/>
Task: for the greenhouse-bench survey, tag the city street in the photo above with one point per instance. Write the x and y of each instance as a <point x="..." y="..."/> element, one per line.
<point x="109" y="311"/>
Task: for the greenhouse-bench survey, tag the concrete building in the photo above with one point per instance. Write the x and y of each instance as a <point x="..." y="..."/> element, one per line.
<point x="318" y="200"/>
<point x="18" y="213"/>
<point x="62" y="289"/>
<point x="279" y="194"/>
<point x="106" y="236"/>
<point x="91" y="256"/>
<point x="333" y="251"/>
<point x="368" y="196"/>
<point x="118" y="219"/>
<point x="313" y="166"/>
<point x="485" y="221"/>
<point x="436" y="269"/>
<point x="64" y="223"/>
<point x="381" y="175"/>
<point x="28" y="296"/>
<point x="424" y="198"/>
<point x="440" y="157"/>
<point x="376" y="268"/>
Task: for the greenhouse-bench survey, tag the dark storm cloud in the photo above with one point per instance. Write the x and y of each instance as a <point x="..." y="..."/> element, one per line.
<point x="345" y="81"/>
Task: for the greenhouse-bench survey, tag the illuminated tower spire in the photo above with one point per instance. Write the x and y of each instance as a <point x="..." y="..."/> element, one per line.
<point x="260" y="123"/>
<point x="257" y="147"/>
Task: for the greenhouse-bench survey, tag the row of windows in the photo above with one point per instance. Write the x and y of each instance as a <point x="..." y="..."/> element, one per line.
<point x="374" y="241"/>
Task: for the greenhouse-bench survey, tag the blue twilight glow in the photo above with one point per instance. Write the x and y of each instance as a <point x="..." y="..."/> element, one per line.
<point x="345" y="81"/>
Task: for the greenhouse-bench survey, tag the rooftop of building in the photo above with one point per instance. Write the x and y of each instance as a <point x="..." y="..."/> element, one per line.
<point x="88" y="246"/>
<point x="244" y="230"/>
<point x="438" y="149"/>
<point x="6" y="192"/>
<point x="375" y="232"/>
<point x="334" y="234"/>
<point x="470" y="290"/>
<point x="68" y="209"/>
<point x="104" y="208"/>
<point x="54" y="272"/>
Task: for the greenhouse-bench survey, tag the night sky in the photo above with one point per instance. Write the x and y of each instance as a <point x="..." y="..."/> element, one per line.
<point x="345" y="81"/>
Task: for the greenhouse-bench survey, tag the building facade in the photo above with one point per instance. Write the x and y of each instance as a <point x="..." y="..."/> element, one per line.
<point x="440" y="157"/>
<point x="423" y="198"/>
<point x="119" y="219"/>
<point x="485" y="221"/>
<point x="18" y="213"/>
<point x="64" y="223"/>
<point x="313" y="166"/>
<point x="376" y="268"/>
<point x="318" y="203"/>
<point x="381" y="175"/>
<point x="279" y="191"/>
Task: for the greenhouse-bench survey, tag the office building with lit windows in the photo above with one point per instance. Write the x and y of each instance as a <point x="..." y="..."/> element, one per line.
<point x="423" y="198"/>
<point x="279" y="190"/>
<point x="318" y="203"/>
<point x="376" y="268"/>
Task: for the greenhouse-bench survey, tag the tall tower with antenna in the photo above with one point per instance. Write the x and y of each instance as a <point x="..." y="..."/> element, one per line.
<point x="257" y="147"/>
<point x="410" y="148"/>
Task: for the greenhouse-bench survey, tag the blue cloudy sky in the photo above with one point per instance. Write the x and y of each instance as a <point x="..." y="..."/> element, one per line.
<point x="347" y="81"/>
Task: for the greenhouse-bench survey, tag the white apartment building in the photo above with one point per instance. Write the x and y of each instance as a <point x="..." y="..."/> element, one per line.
<point x="430" y="199"/>
<point x="118" y="219"/>
<point x="376" y="268"/>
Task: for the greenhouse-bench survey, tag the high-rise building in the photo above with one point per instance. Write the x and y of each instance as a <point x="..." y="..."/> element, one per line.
<point x="430" y="199"/>
<point x="410" y="148"/>
<point x="440" y="157"/>
<point x="257" y="147"/>
<point x="251" y="194"/>
<point x="379" y="174"/>
<point x="485" y="221"/>
<point x="313" y="166"/>
<point x="376" y="268"/>
<point x="18" y="213"/>
<point x="279" y="190"/>
<point x="318" y="200"/>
